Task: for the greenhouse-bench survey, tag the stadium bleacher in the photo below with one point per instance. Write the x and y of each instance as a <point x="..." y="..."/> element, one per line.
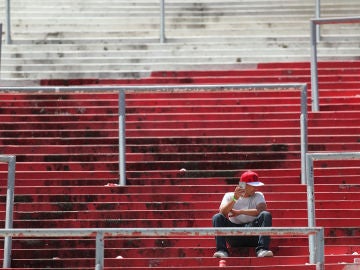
<point x="62" y="182"/>
<point x="66" y="144"/>
<point x="120" y="39"/>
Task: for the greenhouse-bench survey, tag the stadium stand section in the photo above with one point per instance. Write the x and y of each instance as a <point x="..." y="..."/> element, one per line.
<point x="67" y="148"/>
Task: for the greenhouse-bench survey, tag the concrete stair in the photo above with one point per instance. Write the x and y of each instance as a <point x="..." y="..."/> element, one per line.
<point x="120" y="39"/>
<point x="51" y="133"/>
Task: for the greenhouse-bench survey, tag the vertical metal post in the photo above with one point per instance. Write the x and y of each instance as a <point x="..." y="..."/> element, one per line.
<point x="320" y="256"/>
<point x="9" y="211"/>
<point x="304" y="106"/>
<point x="314" y="69"/>
<point x="99" y="263"/>
<point x="317" y="15"/>
<point x="8" y="22"/>
<point x="310" y="202"/>
<point x="162" y="21"/>
<point x="303" y="146"/>
<point x="0" y="46"/>
<point x="122" y="139"/>
<point x="303" y="133"/>
<point x="310" y="190"/>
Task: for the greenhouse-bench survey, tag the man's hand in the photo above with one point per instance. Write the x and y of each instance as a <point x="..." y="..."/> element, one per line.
<point x="239" y="192"/>
<point x="234" y="213"/>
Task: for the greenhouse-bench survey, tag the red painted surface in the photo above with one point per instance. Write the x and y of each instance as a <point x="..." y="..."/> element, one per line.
<point x="66" y="148"/>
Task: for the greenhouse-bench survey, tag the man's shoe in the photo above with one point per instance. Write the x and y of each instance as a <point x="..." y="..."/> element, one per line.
<point x="264" y="253"/>
<point x="221" y="254"/>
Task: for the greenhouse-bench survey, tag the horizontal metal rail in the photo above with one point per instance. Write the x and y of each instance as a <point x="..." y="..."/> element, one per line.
<point x="181" y="87"/>
<point x="0" y="46"/>
<point x="314" y="23"/>
<point x="173" y="88"/>
<point x="310" y="158"/>
<point x="316" y="251"/>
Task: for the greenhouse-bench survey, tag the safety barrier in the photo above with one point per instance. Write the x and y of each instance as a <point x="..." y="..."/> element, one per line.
<point x="162" y="26"/>
<point x="122" y="116"/>
<point x="11" y="160"/>
<point x="314" y="39"/>
<point x="8" y="22"/>
<point x="0" y="46"/>
<point x="310" y="157"/>
<point x="122" y="104"/>
<point x="316" y="251"/>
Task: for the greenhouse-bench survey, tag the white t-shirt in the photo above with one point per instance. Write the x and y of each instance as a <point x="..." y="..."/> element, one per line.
<point x="243" y="203"/>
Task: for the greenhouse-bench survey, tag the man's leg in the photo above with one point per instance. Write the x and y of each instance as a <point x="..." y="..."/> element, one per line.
<point x="264" y="219"/>
<point x="219" y="220"/>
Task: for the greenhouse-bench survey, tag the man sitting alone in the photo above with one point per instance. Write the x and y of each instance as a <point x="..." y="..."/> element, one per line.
<point x="245" y="207"/>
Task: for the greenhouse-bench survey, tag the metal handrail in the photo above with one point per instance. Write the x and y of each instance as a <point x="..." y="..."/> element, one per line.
<point x="122" y="90"/>
<point x="314" y="68"/>
<point x="316" y="251"/>
<point x="0" y="46"/>
<point x="8" y="38"/>
<point x="310" y="158"/>
<point x="317" y="16"/>
<point x="172" y="88"/>
<point x="162" y="21"/>
<point x="11" y="160"/>
<point x="8" y="22"/>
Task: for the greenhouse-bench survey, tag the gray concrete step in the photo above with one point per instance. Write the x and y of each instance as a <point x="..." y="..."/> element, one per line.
<point x="119" y="38"/>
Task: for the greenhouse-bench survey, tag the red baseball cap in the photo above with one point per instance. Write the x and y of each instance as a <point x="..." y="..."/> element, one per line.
<point x="251" y="178"/>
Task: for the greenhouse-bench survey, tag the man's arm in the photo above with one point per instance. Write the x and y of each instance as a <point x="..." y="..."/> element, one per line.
<point x="250" y="212"/>
<point x="226" y="208"/>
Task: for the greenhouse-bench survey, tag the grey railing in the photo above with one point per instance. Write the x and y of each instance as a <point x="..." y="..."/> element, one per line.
<point x="122" y="138"/>
<point x="317" y="16"/>
<point x="314" y="59"/>
<point x="122" y="104"/>
<point x="316" y="251"/>
<point x="0" y="46"/>
<point x="8" y="38"/>
<point x="162" y="24"/>
<point x="162" y="21"/>
<point x="11" y="161"/>
<point x="8" y="22"/>
<point x="310" y="157"/>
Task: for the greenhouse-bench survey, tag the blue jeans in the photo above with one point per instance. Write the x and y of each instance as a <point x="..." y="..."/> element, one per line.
<point x="264" y="219"/>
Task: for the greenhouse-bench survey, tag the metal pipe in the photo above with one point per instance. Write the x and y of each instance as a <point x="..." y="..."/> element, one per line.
<point x="337" y="20"/>
<point x="310" y="189"/>
<point x="320" y="252"/>
<point x="172" y="88"/>
<point x="162" y="21"/>
<point x="8" y="22"/>
<point x="317" y="15"/>
<point x="314" y="69"/>
<point x="303" y="132"/>
<point x="99" y="260"/>
<point x="156" y="232"/>
<point x="310" y="200"/>
<point x="140" y="232"/>
<point x="303" y="146"/>
<point x="310" y="157"/>
<point x="122" y="139"/>
<point x="11" y="160"/>
<point x="0" y="46"/>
